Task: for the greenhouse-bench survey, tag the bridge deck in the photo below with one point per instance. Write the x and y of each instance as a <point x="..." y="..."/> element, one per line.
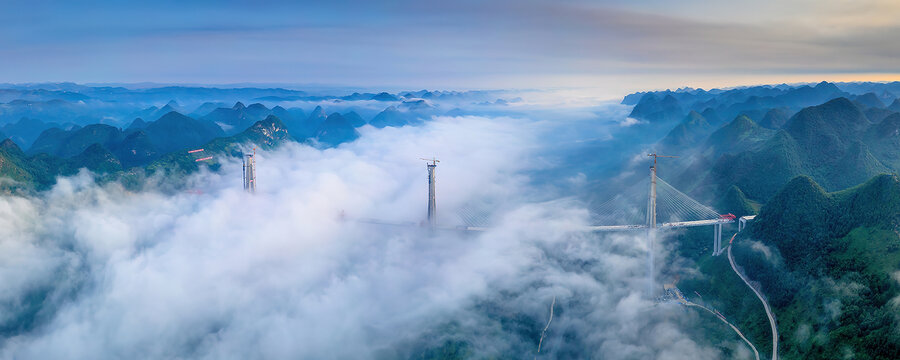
<point x="662" y="225"/>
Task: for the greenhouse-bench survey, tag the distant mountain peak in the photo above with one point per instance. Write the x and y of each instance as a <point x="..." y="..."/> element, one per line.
<point x="9" y="145"/>
<point x="869" y="100"/>
<point x="384" y="96"/>
<point x="257" y="106"/>
<point x="336" y="130"/>
<point x="137" y="123"/>
<point x="268" y="133"/>
<point x="837" y="118"/>
<point x="825" y="85"/>
<point x="743" y="122"/>
<point x="274" y="121"/>
<point x="895" y="106"/>
<point x="354" y="119"/>
<point x="775" y="118"/>
<point x="416" y="104"/>
<point x="238" y="106"/>
<point x="711" y="115"/>
<point x="172" y="115"/>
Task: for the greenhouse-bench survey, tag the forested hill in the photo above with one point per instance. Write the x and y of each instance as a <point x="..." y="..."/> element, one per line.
<point x="828" y="262"/>
<point x="39" y="171"/>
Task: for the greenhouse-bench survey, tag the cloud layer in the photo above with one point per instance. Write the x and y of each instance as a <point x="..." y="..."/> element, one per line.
<point x="99" y="272"/>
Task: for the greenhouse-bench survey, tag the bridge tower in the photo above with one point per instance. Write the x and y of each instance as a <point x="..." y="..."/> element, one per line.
<point x="651" y="217"/>
<point x="651" y="206"/>
<point x="432" y="206"/>
<point x="250" y="172"/>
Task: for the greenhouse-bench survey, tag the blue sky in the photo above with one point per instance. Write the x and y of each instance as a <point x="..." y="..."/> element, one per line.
<point x="614" y="46"/>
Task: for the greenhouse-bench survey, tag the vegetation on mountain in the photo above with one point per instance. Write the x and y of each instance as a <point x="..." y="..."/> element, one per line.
<point x="267" y="134"/>
<point x="735" y="202"/>
<point x="38" y="172"/>
<point x="394" y="117"/>
<point x="775" y="118"/>
<point x="26" y="130"/>
<point x="868" y="100"/>
<point x="741" y="134"/>
<point x="835" y="256"/>
<point x="336" y="130"/>
<point x="895" y="106"/>
<point x="232" y="120"/>
<point x="175" y="131"/>
<point x="65" y="144"/>
<point x="354" y="119"/>
<point x="692" y="129"/>
<point x="834" y="143"/>
<point x="654" y="108"/>
<point x="137" y="148"/>
<point x="827" y="263"/>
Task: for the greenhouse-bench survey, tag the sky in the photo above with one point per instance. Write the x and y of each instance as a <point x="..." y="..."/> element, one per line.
<point x="612" y="46"/>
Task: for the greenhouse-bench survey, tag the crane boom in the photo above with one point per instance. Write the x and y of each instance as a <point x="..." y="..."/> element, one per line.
<point x="433" y="160"/>
<point x="655" y="155"/>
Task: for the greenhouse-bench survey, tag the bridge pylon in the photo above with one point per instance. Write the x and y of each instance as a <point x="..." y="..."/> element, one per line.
<point x="250" y="172"/>
<point x="432" y="204"/>
<point x="651" y="219"/>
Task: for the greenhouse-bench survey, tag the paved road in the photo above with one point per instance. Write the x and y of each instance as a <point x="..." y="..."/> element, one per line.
<point x="684" y="301"/>
<point x="688" y="303"/>
<point x="765" y="304"/>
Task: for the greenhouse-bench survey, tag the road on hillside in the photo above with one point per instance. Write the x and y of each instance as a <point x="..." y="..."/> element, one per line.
<point x="761" y="299"/>
<point x="684" y="301"/>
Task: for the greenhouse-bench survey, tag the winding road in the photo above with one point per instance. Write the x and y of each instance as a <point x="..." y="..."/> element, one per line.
<point x="684" y="301"/>
<point x="761" y="299"/>
<point x="728" y="323"/>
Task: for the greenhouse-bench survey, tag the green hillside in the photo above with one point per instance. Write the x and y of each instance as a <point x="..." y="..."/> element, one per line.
<point x="40" y="171"/>
<point x="740" y="134"/>
<point x="267" y="134"/>
<point x="694" y="128"/>
<point x="825" y="261"/>
<point x="834" y="143"/>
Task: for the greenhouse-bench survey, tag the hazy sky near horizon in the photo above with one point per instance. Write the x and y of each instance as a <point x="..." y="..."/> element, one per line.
<point x="609" y="45"/>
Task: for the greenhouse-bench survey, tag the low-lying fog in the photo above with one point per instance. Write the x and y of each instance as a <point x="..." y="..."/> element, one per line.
<point x="94" y="272"/>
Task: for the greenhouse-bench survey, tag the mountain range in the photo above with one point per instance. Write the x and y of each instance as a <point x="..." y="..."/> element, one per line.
<point x="818" y="165"/>
<point x="841" y="142"/>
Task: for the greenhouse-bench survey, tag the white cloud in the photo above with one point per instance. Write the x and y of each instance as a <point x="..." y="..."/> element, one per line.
<point x="224" y="274"/>
<point x="629" y="121"/>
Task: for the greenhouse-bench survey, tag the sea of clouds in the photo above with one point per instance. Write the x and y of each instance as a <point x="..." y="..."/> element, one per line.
<point x="92" y="271"/>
